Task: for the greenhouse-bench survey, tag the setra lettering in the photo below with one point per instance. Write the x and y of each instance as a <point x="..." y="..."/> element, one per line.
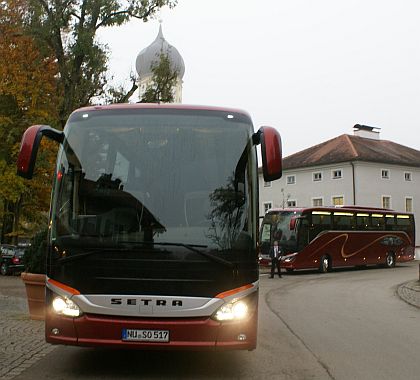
<point x="146" y="302"/>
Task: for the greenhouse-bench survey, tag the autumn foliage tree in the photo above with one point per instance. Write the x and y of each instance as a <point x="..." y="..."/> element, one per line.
<point x="51" y="62"/>
<point x="28" y="95"/>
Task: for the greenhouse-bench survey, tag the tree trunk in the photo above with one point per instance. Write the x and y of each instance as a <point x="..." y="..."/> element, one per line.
<point x="7" y="222"/>
<point x="16" y="219"/>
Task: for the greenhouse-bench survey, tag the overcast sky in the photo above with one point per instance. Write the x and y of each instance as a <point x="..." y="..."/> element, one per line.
<point x="310" y="68"/>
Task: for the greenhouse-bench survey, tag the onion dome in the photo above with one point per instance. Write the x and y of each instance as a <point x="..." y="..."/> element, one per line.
<point x="150" y="55"/>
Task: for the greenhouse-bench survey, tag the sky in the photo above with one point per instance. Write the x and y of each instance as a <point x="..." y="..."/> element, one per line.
<point x="310" y="68"/>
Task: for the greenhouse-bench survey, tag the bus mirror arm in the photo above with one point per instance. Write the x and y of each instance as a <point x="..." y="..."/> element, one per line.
<point x="31" y="140"/>
<point x="256" y="138"/>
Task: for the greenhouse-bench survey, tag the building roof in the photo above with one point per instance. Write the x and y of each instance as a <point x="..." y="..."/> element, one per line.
<point x="346" y="148"/>
<point x="149" y="56"/>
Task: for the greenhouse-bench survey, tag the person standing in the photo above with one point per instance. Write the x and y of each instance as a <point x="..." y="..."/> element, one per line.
<point x="275" y="258"/>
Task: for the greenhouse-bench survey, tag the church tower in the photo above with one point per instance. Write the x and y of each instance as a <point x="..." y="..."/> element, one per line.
<point x="149" y="56"/>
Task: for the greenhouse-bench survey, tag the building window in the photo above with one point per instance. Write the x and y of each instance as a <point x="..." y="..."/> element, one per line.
<point x="317" y="176"/>
<point x="408" y="204"/>
<point x="267" y="206"/>
<point x="267" y="184"/>
<point x="338" y="200"/>
<point x="385" y="174"/>
<point x="407" y="176"/>
<point x="336" y="174"/>
<point x="291" y="203"/>
<point x="386" y="201"/>
<point x="291" y="179"/>
<point x="317" y="202"/>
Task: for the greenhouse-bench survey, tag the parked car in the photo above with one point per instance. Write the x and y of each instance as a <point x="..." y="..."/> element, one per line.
<point x="11" y="259"/>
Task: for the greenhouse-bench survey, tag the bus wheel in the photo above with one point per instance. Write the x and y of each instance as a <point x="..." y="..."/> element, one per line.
<point x="390" y="260"/>
<point x="325" y="264"/>
<point x="289" y="270"/>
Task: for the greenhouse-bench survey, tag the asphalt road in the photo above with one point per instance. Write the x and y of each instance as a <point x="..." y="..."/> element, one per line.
<point x="354" y="322"/>
<point x="342" y="325"/>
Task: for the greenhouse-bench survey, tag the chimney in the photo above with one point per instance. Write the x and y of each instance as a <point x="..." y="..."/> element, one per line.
<point x="366" y="131"/>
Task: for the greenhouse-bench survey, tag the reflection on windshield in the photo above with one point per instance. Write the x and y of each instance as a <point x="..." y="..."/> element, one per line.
<point x="226" y="215"/>
<point x="154" y="178"/>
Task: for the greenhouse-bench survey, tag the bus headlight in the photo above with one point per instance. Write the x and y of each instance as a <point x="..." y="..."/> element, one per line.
<point x="289" y="258"/>
<point x="64" y="306"/>
<point x="232" y="311"/>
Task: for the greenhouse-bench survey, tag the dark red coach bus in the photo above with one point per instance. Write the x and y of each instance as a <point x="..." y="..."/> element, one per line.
<point x="153" y="226"/>
<point x="326" y="237"/>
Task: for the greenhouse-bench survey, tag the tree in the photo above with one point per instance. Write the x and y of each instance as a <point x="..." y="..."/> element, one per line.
<point x="120" y="94"/>
<point x="50" y="64"/>
<point x="164" y="79"/>
<point x="69" y="28"/>
<point x="28" y="83"/>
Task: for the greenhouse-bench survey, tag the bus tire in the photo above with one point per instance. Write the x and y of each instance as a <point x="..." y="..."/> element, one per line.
<point x="325" y="264"/>
<point x="390" y="260"/>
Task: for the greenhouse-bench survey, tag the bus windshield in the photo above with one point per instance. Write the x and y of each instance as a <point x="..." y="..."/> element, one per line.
<point x="280" y="226"/>
<point x="149" y="176"/>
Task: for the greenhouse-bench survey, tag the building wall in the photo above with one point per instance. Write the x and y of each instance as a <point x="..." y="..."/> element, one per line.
<point x="369" y="186"/>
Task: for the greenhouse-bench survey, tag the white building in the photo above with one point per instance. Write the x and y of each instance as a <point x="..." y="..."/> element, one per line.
<point x="357" y="169"/>
<point x="149" y="57"/>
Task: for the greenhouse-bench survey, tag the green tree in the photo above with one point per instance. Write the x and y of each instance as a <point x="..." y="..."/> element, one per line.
<point x="69" y="29"/>
<point x="164" y="79"/>
<point x="27" y="95"/>
<point x="120" y="94"/>
<point x="50" y="63"/>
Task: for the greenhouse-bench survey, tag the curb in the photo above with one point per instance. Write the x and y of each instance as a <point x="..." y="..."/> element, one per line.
<point x="410" y="292"/>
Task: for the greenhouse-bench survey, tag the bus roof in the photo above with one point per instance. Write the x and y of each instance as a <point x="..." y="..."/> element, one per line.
<point x="121" y="106"/>
<point x="338" y="208"/>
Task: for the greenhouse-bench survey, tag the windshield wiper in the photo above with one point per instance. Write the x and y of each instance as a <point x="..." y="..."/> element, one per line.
<point x="78" y="256"/>
<point x="193" y="248"/>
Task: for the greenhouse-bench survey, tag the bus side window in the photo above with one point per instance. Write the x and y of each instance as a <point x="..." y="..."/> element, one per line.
<point x="303" y="233"/>
<point x="343" y="222"/>
<point x="362" y="222"/>
<point x="319" y="223"/>
<point x="378" y="222"/>
<point x="390" y="223"/>
<point x="404" y="224"/>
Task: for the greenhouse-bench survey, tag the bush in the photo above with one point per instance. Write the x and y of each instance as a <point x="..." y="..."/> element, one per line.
<point x="35" y="258"/>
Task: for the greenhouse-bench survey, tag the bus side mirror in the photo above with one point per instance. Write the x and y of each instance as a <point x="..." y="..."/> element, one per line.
<point x="271" y="153"/>
<point x="29" y="147"/>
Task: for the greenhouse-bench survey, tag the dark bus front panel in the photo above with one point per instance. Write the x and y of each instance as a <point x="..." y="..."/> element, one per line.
<point x="202" y="331"/>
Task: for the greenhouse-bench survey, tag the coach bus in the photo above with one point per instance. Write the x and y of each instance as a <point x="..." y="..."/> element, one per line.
<point x="153" y="226"/>
<point x="326" y="237"/>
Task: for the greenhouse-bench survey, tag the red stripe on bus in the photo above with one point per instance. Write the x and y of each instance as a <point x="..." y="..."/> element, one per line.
<point x="66" y="288"/>
<point x="233" y="291"/>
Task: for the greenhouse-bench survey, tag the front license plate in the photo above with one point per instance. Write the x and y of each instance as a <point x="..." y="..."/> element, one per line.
<point x="145" y="335"/>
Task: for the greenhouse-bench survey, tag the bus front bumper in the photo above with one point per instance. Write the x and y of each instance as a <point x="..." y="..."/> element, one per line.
<point x="183" y="333"/>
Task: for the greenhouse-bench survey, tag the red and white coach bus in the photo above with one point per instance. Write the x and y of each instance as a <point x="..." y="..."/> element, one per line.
<point x="153" y="226"/>
<point x="326" y="237"/>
